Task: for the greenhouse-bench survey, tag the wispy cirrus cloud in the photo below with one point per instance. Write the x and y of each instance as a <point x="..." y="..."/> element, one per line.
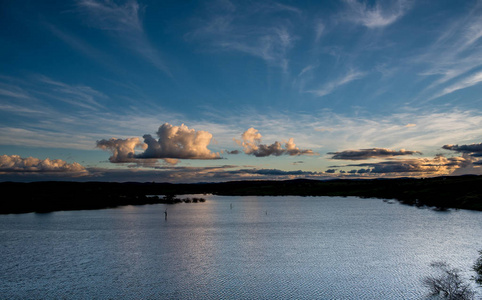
<point x="319" y="28"/>
<point x="45" y="125"/>
<point x="124" y="22"/>
<point x="306" y="69"/>
<point x="434" y="128"/>
<point x="82" y="46"/>
<point x="30" y="93"/>
<point x="378" y="15"/>
<point x="110" y="16"/>
<point x="422" y="129"/>
<point x="461" y="84"/>
<point x="77" y="95"/>
<point x="12" y="92"/>
<point x="331" y="86"/>
<point x="53" y="113"/>
<point x="250" y="29"/>
<point x="454" y="59"/>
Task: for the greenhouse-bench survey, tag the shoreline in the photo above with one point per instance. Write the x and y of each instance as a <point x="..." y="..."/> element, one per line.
<point x="459" y="192"/>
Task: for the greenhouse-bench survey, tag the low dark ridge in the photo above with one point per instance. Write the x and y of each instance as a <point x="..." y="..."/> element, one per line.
<point x="461" y="192"/>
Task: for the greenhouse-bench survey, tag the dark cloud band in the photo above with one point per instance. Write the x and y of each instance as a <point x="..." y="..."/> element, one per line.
<point x="472" y="149"/>
<point x="370" y="153"/>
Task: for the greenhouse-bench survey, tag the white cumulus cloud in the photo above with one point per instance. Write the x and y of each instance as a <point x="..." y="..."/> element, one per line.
<point x="123" y="150"/>
<point x="174" y="142"/>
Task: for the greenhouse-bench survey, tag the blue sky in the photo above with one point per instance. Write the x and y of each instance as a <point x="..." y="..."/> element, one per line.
<point x="187" y="91"/>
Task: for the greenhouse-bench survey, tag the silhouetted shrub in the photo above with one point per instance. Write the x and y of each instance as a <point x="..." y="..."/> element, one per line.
<point x="447" y="283"/>
<point x="478" y="269"/>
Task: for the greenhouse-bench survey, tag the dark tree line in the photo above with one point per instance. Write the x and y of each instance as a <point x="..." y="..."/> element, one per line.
<point x="461" y="192"/>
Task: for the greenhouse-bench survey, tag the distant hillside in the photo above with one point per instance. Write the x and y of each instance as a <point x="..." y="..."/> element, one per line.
<point x="464" y="192"/>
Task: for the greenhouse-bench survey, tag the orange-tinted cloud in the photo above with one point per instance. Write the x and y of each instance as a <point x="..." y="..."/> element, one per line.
<point x="439" y="165"/>
<point x="175" y="142"/>
<point x="251" y="143"/>
<point x="16" y="164"/>
<point x="123" y="150"/>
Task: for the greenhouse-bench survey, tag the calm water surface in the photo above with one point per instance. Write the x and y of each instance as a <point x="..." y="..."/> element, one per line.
<point x="261" y="248"/>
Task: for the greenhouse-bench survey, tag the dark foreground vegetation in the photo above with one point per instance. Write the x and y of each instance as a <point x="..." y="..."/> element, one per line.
<point x="464" y="192"/>
<point x="448" y="283"/>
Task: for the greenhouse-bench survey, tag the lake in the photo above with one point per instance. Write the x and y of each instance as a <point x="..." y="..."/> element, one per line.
<point x="235" y="248"/>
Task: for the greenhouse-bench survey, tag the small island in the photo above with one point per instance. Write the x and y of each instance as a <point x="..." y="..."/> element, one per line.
<point x="441" y="193"/>
<point x="172" y="199"/>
